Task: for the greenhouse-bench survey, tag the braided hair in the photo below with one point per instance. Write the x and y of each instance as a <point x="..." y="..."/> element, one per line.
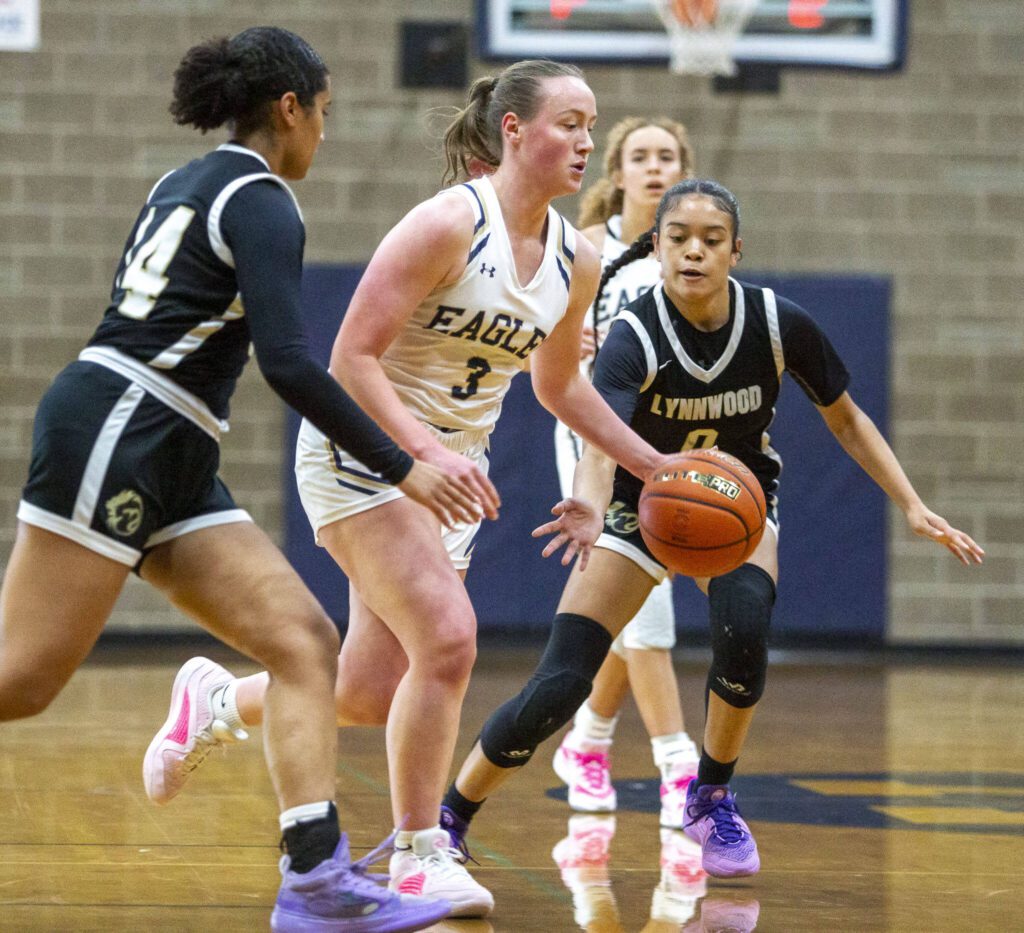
<point x="642" y="246"/>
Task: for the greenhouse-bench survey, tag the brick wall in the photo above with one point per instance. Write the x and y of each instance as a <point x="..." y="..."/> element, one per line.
<point x="918" y="175"/>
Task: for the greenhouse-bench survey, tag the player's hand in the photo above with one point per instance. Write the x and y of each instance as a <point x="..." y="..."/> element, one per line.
<point x="588" y="346"/>
<point x="453" y="487"/>
<point x="927" y="524"/>
<point x="577" y="525"/>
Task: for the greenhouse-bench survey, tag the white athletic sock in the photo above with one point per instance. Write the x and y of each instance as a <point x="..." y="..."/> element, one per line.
<point x="224" y="705"/>
<point x="667" y="749"/>
<point x="421" y="841"/>
<point x="304" y="813"/>
<point x="588" y="726"/>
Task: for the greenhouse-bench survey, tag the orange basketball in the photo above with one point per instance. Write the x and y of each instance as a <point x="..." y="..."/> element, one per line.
<point x="702" y="514"/>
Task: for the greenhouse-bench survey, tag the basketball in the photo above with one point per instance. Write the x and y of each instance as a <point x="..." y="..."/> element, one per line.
<point x="702" y="514"/>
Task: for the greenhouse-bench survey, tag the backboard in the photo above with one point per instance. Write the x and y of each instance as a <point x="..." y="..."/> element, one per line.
<point x="862" y="34"/>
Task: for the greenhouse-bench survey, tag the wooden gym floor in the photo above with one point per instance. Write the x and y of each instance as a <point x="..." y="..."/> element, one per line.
<point x="885" y="796"/>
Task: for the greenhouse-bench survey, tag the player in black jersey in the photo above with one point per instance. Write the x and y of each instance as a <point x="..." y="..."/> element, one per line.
<point x="125" y="453"/>
<point x="694" y="363"/>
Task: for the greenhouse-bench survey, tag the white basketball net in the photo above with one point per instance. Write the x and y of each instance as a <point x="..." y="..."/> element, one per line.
<point x="707" y="47"/>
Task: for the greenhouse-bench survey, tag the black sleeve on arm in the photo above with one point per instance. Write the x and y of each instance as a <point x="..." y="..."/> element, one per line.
<point x="263" y="229"/>
<point x="620" y="369"/>
<point x="811" y="359"/>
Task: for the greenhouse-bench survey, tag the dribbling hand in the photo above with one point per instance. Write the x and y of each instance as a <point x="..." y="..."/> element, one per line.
<point x="577" y="525"/>
<point x="452" y="486"/>
<point x="927" y="524"/>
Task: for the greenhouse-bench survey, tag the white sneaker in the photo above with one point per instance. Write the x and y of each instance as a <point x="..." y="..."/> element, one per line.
<point x="433" y="869"/>
<point x="673" y="792"/>
<point x="586" y="768"/>
<point x="190" y="732"/>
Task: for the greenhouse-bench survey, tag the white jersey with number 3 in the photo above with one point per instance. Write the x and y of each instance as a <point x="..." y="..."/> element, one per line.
<point x="454" y="360"/>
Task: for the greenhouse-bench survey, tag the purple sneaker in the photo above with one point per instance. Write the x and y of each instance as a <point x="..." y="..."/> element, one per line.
<point x="339" y="897"/>
<point x="729" y="850"/>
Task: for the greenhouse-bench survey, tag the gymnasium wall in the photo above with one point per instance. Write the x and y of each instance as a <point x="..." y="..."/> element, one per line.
<point x="917" y="178"/>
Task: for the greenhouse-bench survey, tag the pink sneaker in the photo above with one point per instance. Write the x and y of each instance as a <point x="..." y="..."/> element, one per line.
<point x="190" y="732"/>
<point x="586" y="768"/>
<point x="683" y="879"/>
<point x="673" y="793"/>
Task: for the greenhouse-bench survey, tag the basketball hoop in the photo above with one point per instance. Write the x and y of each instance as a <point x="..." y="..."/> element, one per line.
<point x="702" y="33"/>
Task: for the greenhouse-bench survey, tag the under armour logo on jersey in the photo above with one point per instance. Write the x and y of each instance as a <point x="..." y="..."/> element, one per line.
<point x="488" y="270"/>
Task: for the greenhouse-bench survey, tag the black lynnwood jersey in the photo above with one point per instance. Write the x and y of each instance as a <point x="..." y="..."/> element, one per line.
<point x="175" y="300"/>
<point x="213" y="263"/>
<point x="680" y="388"/>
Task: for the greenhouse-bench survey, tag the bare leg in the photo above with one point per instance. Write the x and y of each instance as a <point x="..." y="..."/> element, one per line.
<point x="726" y="729"/>
<point x="416" y="627"/>
<point x="238" y="585"/>
<point x="655" y="688"/>
<point x="367" y="708"/>
<point x="610" y="687"/>
<point x="56" y="598"/>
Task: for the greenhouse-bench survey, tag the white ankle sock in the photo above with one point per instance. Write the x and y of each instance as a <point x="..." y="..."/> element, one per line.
<point x="304" y="813"/>
<point x="421" y="841"/>
<point x="588" y="725"/>
<point x="224" y="704"/>
<point x="669" y="748"/>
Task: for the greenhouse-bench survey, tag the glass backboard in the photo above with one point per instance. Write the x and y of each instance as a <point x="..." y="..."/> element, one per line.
<point x="866" y="34"/>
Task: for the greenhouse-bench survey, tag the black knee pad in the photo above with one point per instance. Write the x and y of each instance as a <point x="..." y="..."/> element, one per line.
<point x="575" y="651"/>
<point x="741" y="613"/>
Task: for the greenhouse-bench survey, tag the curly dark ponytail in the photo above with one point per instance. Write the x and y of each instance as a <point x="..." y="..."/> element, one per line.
<point x="232" y="80"/>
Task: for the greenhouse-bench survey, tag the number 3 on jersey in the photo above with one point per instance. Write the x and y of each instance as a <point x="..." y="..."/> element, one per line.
<point x="143" y="278"/>
<point x="478" y="368"/>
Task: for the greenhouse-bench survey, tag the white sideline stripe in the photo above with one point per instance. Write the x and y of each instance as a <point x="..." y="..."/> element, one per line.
<point x="102" y="450"/>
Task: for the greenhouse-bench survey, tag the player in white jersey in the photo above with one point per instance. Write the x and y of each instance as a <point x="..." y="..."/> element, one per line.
<point x="458" y="296"/>
<point x="644" y="158"/>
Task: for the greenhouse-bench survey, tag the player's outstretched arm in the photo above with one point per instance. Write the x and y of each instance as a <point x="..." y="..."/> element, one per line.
<point x="580" y="518"/>
<point x="861" y="439"/>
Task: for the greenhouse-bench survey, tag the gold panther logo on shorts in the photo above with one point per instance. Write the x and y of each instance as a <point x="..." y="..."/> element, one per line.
<point x="124" y="512"/>
<point x="620" y="519"/>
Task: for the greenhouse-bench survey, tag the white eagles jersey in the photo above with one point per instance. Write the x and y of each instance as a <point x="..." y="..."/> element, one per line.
<point x="629" y="283"/>
<point x="454" y="360"/>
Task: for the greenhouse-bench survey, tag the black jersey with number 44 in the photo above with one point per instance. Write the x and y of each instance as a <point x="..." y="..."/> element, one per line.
<point x="175" y="301"/>
<point x="681" y="388"/>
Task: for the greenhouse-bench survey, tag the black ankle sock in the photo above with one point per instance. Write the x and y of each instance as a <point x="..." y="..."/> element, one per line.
<point x="310" y="842"/>
<point x="464" y="809"/>
<point x="710" y="771"/>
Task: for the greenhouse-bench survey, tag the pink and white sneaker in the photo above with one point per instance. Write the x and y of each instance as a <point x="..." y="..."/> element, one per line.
<point x="433" y="869"/>
<point x="673" y="793"/>
<point x="586" y="768"/>
<point x="585" y="849"/>
<point x="683" y="879"/>
<point x="190" y="732"/>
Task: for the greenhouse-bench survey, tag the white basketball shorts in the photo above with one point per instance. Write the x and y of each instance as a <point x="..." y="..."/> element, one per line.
<point x="333" y="485"/>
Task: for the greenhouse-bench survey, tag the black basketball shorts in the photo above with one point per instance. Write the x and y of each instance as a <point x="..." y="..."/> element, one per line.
<point x="119" y="471"/>
<point x="622" y="531"/>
